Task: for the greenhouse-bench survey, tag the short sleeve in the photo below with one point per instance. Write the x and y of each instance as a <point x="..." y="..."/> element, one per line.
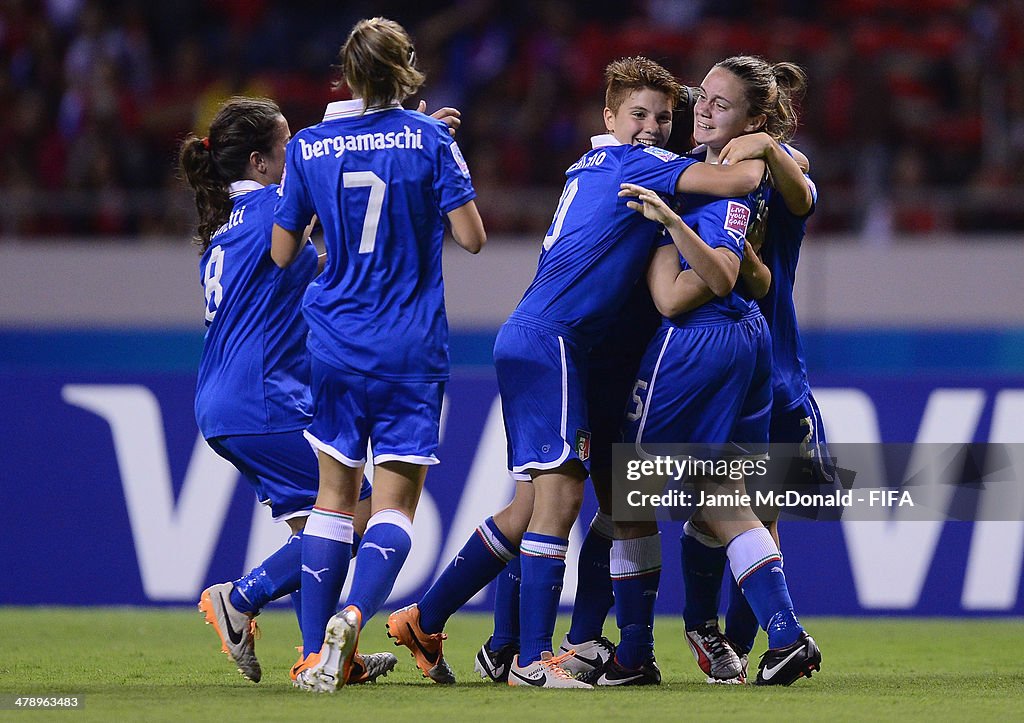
<point x="655" y="168"/>
<point x="294" y="208"/>
<point x="453" y="186"/>
<point x="724" y="222"/>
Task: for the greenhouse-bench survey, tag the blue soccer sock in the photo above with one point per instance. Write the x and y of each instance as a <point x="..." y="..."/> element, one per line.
<point x="635" y="573"/>
<point x="757" y="566"/>
<point x="481" y="559"/>
<point x="326" y="553"/>
<point x="543" y="563"/>
<point x="506" y="605"/>
<point x="385" y="546"/>
<point x="296" y="598"/>
<point x="703" y="568"/>
<point x="594" y="596"/>
<point x="279" y="575"/>
<point x="741" y="624"/>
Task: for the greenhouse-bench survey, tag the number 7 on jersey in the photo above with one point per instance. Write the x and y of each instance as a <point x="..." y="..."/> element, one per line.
<point x="367" y="179"/>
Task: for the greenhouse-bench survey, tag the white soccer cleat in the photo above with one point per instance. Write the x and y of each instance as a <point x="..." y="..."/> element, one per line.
<point x="588" y="656"/>
<point x="328" y="670"/>
<point x="237" y="630"/>
<point x="544" y="673"/>
<point x="367" y="668"/>
<point x="714" y="655"/>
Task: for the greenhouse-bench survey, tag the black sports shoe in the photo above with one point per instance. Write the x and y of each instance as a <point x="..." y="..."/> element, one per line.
<point x="494" y="664"/>
<point x="782" y="666"/>
<point x="613" y="673"/>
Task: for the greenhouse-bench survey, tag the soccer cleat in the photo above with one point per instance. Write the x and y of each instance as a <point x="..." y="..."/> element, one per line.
<point x="614" y="673"/>
<point x="237" y="630"/>
<point x="303" y="673"/>
<point x="404" y="626"/>
<point x="326" y="671"/>
<point x="494" y="664"/>
<point x="544" y="673"/>
<point x="588" y="656"/>
<point x="783" y="666"/>
<point x="367" y="668"/>
<point x="714" y="655"/>
<point x="744" y="659"/>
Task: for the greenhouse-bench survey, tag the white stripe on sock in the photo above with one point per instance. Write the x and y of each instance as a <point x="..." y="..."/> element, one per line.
<point x="639" y="556"/>
<point x="391" y="517"/>
<point x="749" y="550"/>
<point x="329" y="526"/>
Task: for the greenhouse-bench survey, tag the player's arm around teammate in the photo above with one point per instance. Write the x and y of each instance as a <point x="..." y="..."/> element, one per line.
<point x="739" y="98"/>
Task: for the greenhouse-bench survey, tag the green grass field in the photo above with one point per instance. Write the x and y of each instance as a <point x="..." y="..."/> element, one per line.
<point x="137" y="664"/>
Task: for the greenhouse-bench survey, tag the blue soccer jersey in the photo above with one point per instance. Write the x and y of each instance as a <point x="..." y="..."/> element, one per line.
<point x="254" y="372"/>
<point x="706" y="374"/>
<point x="721" y="223"/>
<point x="784" y="234"/>
<point x="597" y="247"/>
<point x="380" y="183"/>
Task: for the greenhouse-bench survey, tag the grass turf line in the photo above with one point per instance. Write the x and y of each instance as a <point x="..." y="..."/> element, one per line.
<point x="164" y="664"/>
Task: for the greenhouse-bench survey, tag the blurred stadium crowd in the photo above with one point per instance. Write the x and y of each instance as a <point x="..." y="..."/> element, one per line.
<point x="914" y="118"/>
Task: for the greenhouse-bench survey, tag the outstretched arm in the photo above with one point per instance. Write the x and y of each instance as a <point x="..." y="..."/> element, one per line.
<point x="737" y="179"/>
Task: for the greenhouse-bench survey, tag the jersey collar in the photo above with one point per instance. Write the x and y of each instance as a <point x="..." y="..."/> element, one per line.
<point x="348" y="108"/>
<point x="240" y="188"/>
<point x="605" y="139"/>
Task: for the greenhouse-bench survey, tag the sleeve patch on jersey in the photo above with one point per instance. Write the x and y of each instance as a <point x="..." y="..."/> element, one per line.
<point x="459" y="160"/>
<point x="737" y="216"/>
<point x="660" y="153"/>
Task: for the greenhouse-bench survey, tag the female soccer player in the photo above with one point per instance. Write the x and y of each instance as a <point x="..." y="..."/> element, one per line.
<point x="382" y="181"/>
<point x="593" y="254"/>
<point x="252" y="398"/>
<point x="770" y="90"/>
<point x="708" y="380"/>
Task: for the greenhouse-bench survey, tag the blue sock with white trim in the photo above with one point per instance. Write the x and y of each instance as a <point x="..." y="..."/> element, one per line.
<point x="481" y="559"/>
<point x="636" y="573"/>
<point x="594" y="596"/>
<point x="384" y="549"/>
<point x="543" y="563"/>
<point x="703" y="559"/>
<point x="757" y="566"/>
<point x="506" y="605"/>
<point x="326" y="553"/>
<point x="741" y="624"/>
<point x="278" y="575"/>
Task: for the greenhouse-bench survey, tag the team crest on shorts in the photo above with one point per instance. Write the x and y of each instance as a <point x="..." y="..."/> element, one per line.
<point x="583" y="444"/>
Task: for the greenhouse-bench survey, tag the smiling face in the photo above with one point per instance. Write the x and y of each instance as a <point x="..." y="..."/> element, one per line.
<point x="644" y="117"/>
<point x="721" y="111"/>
